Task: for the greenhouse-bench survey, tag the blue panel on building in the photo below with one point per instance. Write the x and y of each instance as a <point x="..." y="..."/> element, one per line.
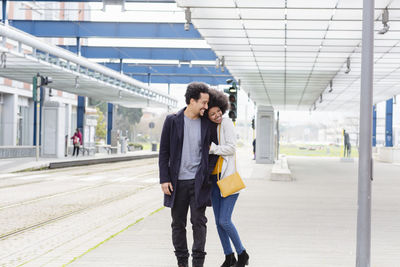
<point x="48" y="28"/>
<point x="181" y="79"/>
<point x="389" y="123"/>
<point x="182" y="54"/>
<point x="183" y="69"/>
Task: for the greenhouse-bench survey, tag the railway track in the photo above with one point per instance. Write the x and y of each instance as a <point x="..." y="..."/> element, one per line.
<point x="50" y="196"/>
<point x="68" y="214"/>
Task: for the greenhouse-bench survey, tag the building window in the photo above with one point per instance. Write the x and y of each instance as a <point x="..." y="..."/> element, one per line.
<point x="1" y="122"/>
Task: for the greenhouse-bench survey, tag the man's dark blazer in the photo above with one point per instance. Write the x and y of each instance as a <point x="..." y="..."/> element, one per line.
<point x="170" y="158"/>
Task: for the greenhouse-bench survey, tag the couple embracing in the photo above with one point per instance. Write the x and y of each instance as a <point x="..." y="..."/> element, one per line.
<point x="198" y="147"/>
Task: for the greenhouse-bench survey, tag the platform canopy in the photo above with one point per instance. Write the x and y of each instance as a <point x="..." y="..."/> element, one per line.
<point x="300" y="54"/>
<point x="24" y="56"/>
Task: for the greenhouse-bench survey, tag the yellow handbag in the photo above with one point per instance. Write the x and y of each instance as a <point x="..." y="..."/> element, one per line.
<point x="229" y="184"/>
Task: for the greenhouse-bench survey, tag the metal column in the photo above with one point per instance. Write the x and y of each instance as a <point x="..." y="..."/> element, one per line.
<point x="80" y="113"/>
<point x="374" y="126"/>
<point x="109" y="122"/>
<point x="78" y="46"/>
<point x="389" y="123"/>
<point x="121" y="66"/>
<point x="4" y="12"/>
<point x="363" y="255"/>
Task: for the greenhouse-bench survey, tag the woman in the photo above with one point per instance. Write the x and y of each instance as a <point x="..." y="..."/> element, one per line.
<point x="223" y="207"/>
<point x="77" y="141"/>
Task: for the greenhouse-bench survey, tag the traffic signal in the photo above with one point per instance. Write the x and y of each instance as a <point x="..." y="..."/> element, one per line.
<point x="232" y="91"/>
<point x="35" y="89"/>
<point x="37" y="82"/>
<point x="253" y="124"/>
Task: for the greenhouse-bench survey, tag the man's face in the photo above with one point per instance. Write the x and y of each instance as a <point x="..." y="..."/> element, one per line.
<point x="200" y="106"/>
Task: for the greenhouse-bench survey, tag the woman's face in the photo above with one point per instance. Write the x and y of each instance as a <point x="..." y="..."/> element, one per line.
<point x="215" y="115"/>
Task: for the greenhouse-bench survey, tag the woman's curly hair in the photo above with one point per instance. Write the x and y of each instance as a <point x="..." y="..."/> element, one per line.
<point x="218" y="99"/>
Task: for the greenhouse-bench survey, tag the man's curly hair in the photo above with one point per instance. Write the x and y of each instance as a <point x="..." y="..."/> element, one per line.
<point x="218" y="99"/>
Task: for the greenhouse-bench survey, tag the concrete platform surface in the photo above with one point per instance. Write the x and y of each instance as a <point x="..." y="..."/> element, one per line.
<point x="28" y="164"/>
<point x="310" y="222"/>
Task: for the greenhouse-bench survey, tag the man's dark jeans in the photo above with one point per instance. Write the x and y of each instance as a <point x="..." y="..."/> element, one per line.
<point x="183" y="199"/>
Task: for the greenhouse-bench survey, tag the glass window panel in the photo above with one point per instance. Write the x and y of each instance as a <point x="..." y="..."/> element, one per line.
<point x="242" y="68"/>
<point x="292" y="48"/>
<point x="388" y="60"/>
<point x="262" y="13"/>
<point x="222" y="33"/>
<point x="301" y="55"/>
<point x="241" y="53"/>
<point x="238" y="63"/>
<point x="335" y="55"/>
<point x="217" y="24"/>
<point x="264" y="55"/>
<point x="264" y="24"/>
<point x="359" y="4"/>
<point x="331" y="42"/>
<point x="342" y="14"/>
<point x="236" y="41"/>
<point x="299" y="60"/>
<point x="305" y="70"/>
<point x="271" y="64"/>
<point x="345" y="25"/>
<point x="312" y="3"/>
<point x="229" y="47"/>
<point x="300" y="64"/>
<point x="394" y="35"/>
<point x="269" y="48"/>
<point x="382" y="49"/>
<point x="266" y="33"/>
<point x="260" y="3"/>
<point x="343" y="49"/>
<point x="330" y="61"/>
<point x="229" y="58"/>
<point x="273" y="68"/>
<point x="331" y="34"/>
<point x="309" y="14"/>
<point x="305" y="34"/>
<point x="258" y="42"/>
<point x="216" y="13"/>
<point x="304" y="41"/>
<point x="206" y="3"/>
<point x="307" y="25"/>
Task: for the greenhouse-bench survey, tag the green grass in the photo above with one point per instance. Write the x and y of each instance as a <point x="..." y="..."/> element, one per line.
<point x="315" y="150"/>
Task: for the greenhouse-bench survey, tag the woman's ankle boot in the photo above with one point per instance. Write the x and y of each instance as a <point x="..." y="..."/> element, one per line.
<point x="230" y="260"/>
<point x="243" y="259"/>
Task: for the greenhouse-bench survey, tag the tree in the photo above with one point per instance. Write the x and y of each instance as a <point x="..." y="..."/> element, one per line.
<point x="101" y="129"/>
<point x="130" y="115"/>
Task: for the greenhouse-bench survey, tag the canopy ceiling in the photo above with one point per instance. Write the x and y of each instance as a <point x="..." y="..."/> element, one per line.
<point x="286" y="53"/>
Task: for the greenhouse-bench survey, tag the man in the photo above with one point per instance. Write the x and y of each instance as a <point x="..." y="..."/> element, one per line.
<point x="184" y="172"/>
<point x="347" y="144"/>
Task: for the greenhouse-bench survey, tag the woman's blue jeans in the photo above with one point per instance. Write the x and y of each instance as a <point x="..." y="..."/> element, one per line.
<point x="223" y="209"/>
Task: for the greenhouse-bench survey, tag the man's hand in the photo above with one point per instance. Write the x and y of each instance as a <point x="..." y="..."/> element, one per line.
<point x="167" y="188"/>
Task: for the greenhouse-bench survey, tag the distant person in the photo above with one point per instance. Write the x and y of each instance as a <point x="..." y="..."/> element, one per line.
<point x="226" y="165"/>
<point x="347" y="144"/>
<point x="254" y="148"/>
<point x="184" y="172"/>
<point x="77" y="141"/>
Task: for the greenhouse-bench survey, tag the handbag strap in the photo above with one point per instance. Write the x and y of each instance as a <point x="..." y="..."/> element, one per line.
<point x="219" y="140"/>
